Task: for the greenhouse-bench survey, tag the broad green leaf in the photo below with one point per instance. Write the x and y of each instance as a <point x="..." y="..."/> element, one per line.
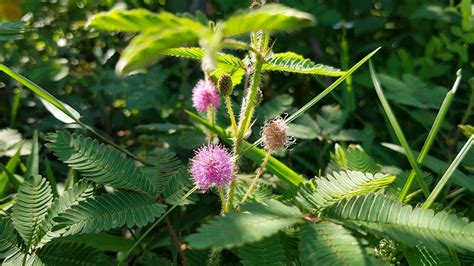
<point x="253" y="223"/>
<point x="139" y="20"/>
<point x="385" y="216"/>
<point x="31" y="207"/>
<point x="109" y="211"/>
<point x="271" y="17"/>
<point x="326" y="243"/>
<point x="291" y="62"/>
<point x="325" y="191"/>
<point x="145" y="49"/>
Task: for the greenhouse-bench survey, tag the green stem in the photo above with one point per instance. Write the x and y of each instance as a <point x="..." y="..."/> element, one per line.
<point x="449" y="172"/>
<point x="125" y="256"/>
<point x="228" y="104"/>
<point x="249" y="105"/>
<point x="222" y="197"/>
<point x="398" y="131"/>
<point x="259" y="173"/>
<point x="432" y="135"/>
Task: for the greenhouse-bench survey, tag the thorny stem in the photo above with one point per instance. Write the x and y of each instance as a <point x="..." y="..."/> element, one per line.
<point x="259" y="173"/>
<point x="176" y="241"/>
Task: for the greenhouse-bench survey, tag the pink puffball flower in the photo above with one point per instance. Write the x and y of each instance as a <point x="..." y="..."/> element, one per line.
<point x="205" y="95"/>
<point x="212" y="166"/>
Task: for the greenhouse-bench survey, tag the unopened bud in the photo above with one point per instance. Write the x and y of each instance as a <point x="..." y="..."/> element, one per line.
<point x="225" y="85"/>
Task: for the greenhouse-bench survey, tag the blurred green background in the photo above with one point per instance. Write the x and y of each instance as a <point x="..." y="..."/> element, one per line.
<point x="424" y="43"/>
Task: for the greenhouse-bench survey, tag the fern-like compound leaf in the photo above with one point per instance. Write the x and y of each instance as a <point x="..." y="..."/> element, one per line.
<point x="325" y="191"/>
<point x="268" y="251"/>
<point x="97" y="162"/>
<point x="68" y="253"/>
<point x="177" y="187"/>
<point x="10" y="241"/>
<point x="385" y="216"/>
<point x="326" y="243"/>
<point x="253" y="223"/>
<point x="109" y="211"/>
<point x="71" y="197"/>
<point x="295" y="63"/>
<point x="31" y="207"/>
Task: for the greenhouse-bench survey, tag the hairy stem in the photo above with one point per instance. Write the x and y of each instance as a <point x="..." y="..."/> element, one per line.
<point x="228" y="104"/>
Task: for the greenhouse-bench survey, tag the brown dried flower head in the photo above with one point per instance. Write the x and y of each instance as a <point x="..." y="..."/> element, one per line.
<point x="275" y="135"/>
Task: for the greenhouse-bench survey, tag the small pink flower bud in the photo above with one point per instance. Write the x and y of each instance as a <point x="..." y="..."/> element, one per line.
<point x="205" y="96"/>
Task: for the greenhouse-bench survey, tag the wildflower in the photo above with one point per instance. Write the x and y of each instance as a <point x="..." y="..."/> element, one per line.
<point x="205" y="96"/>
<point x="212" y="166"/>
<point x="275" y="135"/>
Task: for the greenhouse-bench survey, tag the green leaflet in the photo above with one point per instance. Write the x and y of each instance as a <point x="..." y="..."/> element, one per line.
<point x="97" y="162"/>
<point x="10" y="241"/>
<point x="31" y="207"/>
<point x="64" y="253"/>
<point x="325" y="191"/>
<point x="292" y="62"/>
<point x="326" y="243"/>
<point x="139" y="20"/>
<point x="145" y="49"/>
<point x="255" y="222"/>
<point x="271" y="17"/>
<point x="71" y="197"/>
<point x="385" y="216"/>
<point x="111" y="210"/>
<point x="268" y="251"/>
<point x="225" y="63"/>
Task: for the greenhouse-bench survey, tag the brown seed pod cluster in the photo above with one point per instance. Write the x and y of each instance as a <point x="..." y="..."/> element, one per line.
<point x="275" y="135"/>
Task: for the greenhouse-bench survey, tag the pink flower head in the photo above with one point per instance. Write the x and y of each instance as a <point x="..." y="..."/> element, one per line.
<point x="205" y="95"/>
<point x="212" y="166"/>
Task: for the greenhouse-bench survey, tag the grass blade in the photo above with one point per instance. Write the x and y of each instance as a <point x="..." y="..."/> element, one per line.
<point x="465" y="149"/>
<point x="398" y="131"/>
<point x="432" y="134"/>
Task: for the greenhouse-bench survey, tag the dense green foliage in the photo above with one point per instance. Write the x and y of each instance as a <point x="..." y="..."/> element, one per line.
<point x="98" y="128"/>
